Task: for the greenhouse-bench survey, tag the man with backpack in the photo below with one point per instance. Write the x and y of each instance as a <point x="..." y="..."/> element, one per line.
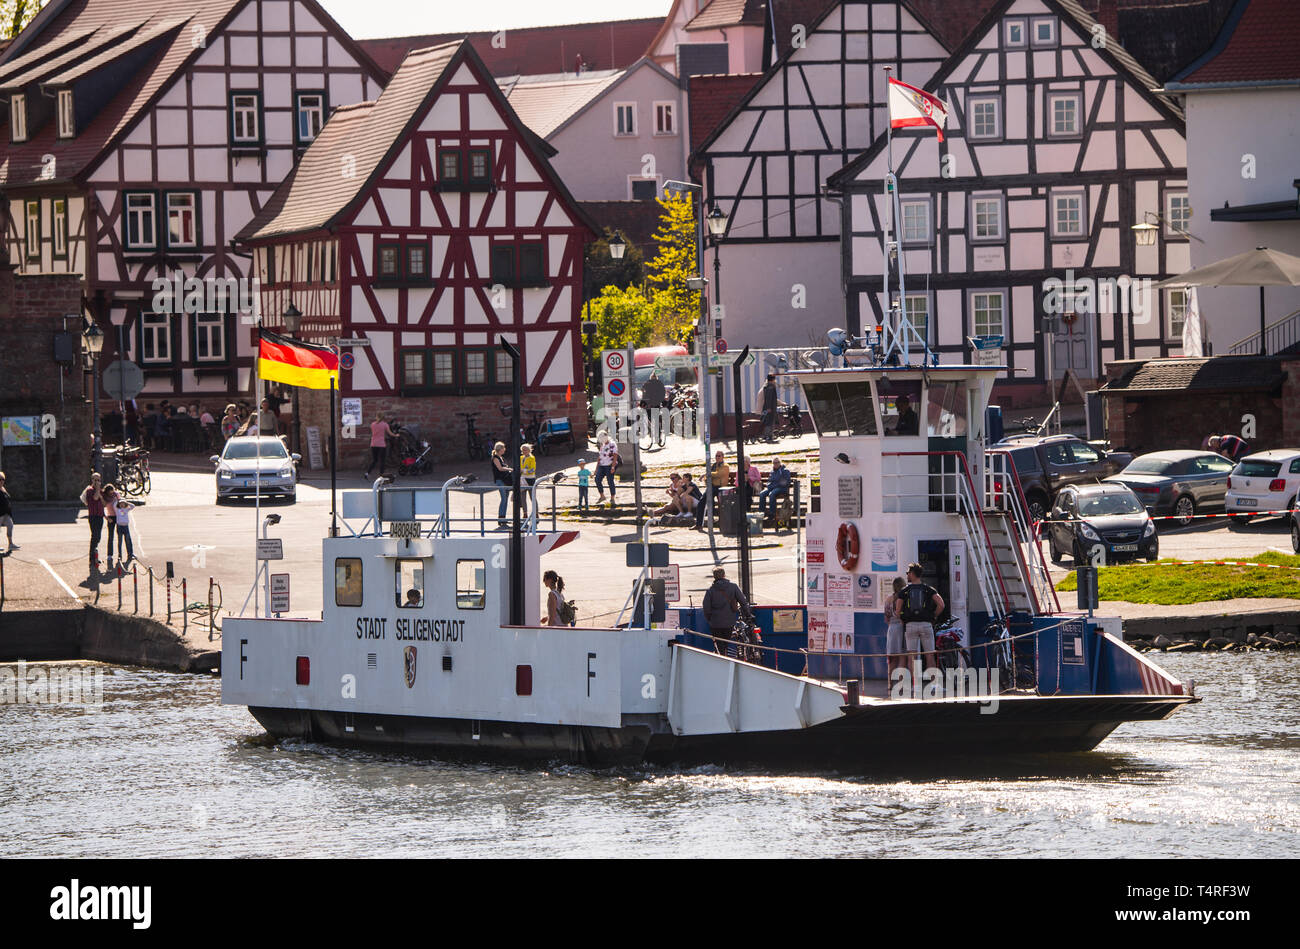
<point x="722" y="604"/>
<point x="918" y="605"/>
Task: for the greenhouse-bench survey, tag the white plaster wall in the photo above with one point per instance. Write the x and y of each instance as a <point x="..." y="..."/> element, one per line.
<point x="757" y="291"/>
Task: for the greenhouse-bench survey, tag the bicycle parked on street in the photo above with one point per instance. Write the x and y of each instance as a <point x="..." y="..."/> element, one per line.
<point x="133" y="472"/>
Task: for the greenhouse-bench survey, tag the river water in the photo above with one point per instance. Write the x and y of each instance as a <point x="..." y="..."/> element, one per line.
<point x="161" y="769"/>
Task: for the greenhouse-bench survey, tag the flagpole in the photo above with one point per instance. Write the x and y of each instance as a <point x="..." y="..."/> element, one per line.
<point x="891" y="187"/>
<point x="257" y="458"/>
<point x="334" y="523"/>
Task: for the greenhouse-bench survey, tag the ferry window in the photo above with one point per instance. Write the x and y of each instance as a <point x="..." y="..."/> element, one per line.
<point x="347" y="581"/>
<point x="471" y="584"/>
<point x="841" y="408"/>
<point x="946" y="410"/>
<point x="899" y="401"/>
<point x="409" y="575"/>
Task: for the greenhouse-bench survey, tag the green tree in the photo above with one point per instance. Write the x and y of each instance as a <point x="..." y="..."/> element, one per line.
<point x="624" y="317"/>
<point x="16" y="14"/>
<point x="601" y="270"/>
<point x="678" y="307"/>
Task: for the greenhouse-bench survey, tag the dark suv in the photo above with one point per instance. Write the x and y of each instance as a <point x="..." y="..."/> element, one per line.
<point x="1047" y="464"/>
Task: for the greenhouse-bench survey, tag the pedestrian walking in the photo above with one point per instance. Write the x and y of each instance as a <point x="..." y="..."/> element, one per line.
<point x="504" y="478"/>
<point x="768" y="396"/>
<point x="584" y="482"/>
<point x="379" y="435"/>
<point x="559" y="612"/>
<point x="93" y="499"/>
<point x="607" y="460"/>
<point x="7" y="512"/>
<point x="528" y="472"/>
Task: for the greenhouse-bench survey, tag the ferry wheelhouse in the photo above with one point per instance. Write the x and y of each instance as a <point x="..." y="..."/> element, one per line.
<point x="422" y="642"/>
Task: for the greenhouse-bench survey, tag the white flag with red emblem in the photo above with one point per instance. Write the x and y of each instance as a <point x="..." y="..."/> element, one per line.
<point x="909" y="106"/>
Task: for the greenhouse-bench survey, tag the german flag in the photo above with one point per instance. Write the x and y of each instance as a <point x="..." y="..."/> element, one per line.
<point x="295" y="363"/>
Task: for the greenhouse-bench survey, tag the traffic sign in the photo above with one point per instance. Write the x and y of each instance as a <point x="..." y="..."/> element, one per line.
<point x="270" y="548"/>
<point x="727" y="359"/>
<point x="614" y="360"/>
<point x="347" y="360"/>
<point x="720" y="346"/>
<point x="617" y="387"/>
<point x="343" y="341"/>
<point x="279" y="593"/>
<point x="671" y="576"/>
<point x="123" y="379"/>
<point x="676" y="362"/>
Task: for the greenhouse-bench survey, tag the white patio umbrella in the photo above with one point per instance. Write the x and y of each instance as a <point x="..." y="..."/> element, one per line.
<point x="1260" y="267"/>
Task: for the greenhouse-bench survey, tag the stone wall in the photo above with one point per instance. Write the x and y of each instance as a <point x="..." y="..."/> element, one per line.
<point x="31" y="312"/>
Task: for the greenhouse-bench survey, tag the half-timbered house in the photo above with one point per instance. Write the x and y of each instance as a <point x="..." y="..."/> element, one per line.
<point x="430" y="224"/>
<point x="1056" y="145"/>
<point x="766" y="165"/>
<point x="139" y="136"/>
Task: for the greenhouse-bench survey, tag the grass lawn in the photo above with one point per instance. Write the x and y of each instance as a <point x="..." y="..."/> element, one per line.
<point x="1198" y="583"/>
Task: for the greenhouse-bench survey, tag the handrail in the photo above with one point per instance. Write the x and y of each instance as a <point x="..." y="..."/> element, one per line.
<point x="988" y="541"/>
<point x="1240" y="348"/>
<point x="1021" y="512"/>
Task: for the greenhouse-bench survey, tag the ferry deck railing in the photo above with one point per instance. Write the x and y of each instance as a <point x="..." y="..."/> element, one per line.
<point x="442" y="521"/>
<point x="955" y="494"/>
<point x="1003" y="492"/>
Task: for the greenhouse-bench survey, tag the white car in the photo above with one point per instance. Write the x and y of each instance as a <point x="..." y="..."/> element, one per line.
<point x="1264" y="481"/>
<point x="252" y="462"/>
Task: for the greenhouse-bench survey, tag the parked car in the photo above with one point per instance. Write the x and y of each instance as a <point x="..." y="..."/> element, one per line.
<point x="1264" y="481"/>
<point x="1178" y="483"/>
<point x="1295" y="529"/>
<point x="1046" y="464"/>
<point x="1086" y="516"/>
<point x="239" y="464"/>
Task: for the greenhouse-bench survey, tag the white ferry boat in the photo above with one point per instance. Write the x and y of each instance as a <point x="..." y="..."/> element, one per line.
<point x="422" y="644"/>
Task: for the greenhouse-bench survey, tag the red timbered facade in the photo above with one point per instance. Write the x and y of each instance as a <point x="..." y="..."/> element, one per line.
<point x="139" y="138"/>
<point x="430" y="224"/>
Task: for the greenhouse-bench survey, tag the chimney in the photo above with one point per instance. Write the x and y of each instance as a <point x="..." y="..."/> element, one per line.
<point x="1108" y="16"/>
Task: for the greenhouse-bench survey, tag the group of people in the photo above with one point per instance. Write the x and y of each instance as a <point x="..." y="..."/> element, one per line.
<point x="910" y="614"/>
<point x="503" y="476"/>
<point x="104" y="503"/>
<point x="686" y="497"/>
<point x="164" y="426"/>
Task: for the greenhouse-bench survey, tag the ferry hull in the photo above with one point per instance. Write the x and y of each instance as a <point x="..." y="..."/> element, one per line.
<point x="865" y="737"/>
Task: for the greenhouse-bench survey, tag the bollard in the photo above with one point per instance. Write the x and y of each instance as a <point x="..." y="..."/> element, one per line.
<point x="852" y="686"/>
<point x="169" y="601"/>
<point x="150" y="592"/>
<point x="212" y="621"/>
<point x="2" y="582"/>
<point x="135" y="587"/>
<point x="185" y="608"/>
<point x="119" y="588"/>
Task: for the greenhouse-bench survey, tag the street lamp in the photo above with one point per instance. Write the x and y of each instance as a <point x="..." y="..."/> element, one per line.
<point x="717" y="222"/>
<point x="1144" y="234"/>
<point x="617" y="246"/>
<point x="93" y="338"/>
<point x="292" y="322"/>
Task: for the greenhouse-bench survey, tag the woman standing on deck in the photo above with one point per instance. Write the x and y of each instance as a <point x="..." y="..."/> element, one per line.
<point x="504" y="478"/>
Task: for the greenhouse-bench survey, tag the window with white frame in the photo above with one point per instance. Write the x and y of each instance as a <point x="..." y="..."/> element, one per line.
<point x="1177" y="304"/>
<point x="18" y="117"/>
<point x="918" y="313"/>
<point x="59" y="226"/>
<point x="986" y="307"/>
<point x="33" y="230"/>
<point x="624" y="118"/>
<point x="985" y="117"/>
<point x="642" y="189"/>
<point x="182" y="219"/>
<point x="245" y="118"/>
<point x="986" y="213"/>
<point x="1068" y="215"/>
<point x="1178" y="213"/>
<point x="916" y="220"/>
<point x="1063" y="110"/>
<point x="210" y="337"/>
<point x="67" y="121"/>
<point x="665" y="118"/>
<point x="1016" y="34"/>
<point x="1043" y="30"/>
<point x="310" y="115"/>
<point x="141" y="221"/>
<point x="155" y="337"/>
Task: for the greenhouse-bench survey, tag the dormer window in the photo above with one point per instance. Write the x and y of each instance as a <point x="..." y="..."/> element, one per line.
<point x="246" y="118"/>
<point x="310" y="111"/>
<point x="67" y="119"/>
<point x="18" y="117"/>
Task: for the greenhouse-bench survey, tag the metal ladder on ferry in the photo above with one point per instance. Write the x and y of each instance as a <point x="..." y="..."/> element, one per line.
<point x="1005" y="503"/>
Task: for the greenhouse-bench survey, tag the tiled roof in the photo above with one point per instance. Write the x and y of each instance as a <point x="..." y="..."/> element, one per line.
<point x="952" y="21"/>
<point x="712" y="98"/>
<point x="546" y="103"/>
<point x="612" y="44"/>
<point x="1215" y="373"/>
<point x="787" y="13"/>
<point x="357" y="137"/>
<point x="1259" y="42"/>
<point x="722" y="13"/>
<point x="48" y="36"/>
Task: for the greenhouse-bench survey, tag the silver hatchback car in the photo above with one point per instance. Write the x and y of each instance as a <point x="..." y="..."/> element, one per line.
<point x="251" y="463"/>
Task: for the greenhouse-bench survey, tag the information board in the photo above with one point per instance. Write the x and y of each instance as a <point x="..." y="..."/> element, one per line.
<point x="21" y="430"/>
<point x="279" y="593"/>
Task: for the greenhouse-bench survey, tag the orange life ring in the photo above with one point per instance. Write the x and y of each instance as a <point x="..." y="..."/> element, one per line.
<point x="846" y="546"/>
